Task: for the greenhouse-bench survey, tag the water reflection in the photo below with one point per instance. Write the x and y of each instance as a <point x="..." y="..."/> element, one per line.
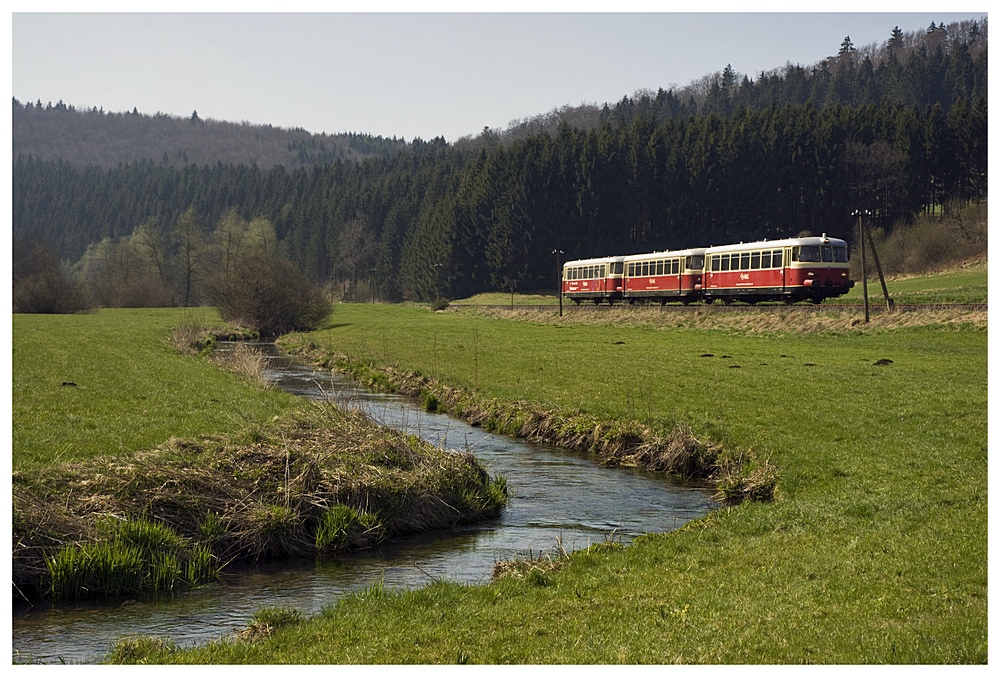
<point x="560" y="497"/>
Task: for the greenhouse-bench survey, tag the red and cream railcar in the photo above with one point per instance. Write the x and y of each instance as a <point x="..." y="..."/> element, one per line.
<point x="664" y="276"/>
<point x="795" y="269"/>
<point x="595" y="280"/>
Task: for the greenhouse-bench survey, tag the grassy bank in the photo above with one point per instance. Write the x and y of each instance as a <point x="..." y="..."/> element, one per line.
<point x="967" y="283"/>
<point x="167" y="467"/>
<point x="873" y="551"/>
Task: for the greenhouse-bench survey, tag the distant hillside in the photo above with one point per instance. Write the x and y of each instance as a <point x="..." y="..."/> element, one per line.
<point x="937" y="65"/>
<point x="93" y="137"/>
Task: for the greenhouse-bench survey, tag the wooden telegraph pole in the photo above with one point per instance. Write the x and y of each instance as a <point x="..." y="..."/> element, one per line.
<point x="863" y="233"/>
<point x="559" y="252"/>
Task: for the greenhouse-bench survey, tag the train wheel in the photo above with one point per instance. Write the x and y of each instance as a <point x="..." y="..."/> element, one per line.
<point x="727" y="301"/>
<point x="611" y="302"/>
<point x="576" y="301"/>
<point x="709" y="301"/>
<point x="816" y="299"/>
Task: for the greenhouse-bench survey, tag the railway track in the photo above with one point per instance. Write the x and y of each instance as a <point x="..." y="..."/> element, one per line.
<point x="873" y="308"/>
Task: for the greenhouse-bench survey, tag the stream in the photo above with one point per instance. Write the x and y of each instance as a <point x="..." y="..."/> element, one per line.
<point x="560" y="497"/>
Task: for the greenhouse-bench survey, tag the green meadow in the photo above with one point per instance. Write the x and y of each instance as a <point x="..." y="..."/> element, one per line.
<point x="109" y="382"/>
<point x="963" y="285"/>
<point x="874" y="549"/>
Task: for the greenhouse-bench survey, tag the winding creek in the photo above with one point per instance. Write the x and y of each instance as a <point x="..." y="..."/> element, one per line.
<point x="559" y="497"/>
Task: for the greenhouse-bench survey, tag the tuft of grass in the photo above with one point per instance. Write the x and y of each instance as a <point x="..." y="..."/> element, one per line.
<point x="140" y="650"/>
<point x="267" y="621"/>
<point x="133" y="557"/>
<point x="245" y="360"/>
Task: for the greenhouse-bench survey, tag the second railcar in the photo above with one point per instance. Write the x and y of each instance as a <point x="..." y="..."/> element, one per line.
<point x="664" y="276"/>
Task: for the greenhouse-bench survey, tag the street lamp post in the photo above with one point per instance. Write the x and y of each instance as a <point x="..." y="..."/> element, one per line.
<point x="558" y="253"/>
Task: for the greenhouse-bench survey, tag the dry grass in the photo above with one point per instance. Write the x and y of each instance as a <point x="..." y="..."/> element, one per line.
<point x="259" y="494"/>
<point x="244" y="360"/>
<point x="737" y="475"/>
<point x="782" y="320"/>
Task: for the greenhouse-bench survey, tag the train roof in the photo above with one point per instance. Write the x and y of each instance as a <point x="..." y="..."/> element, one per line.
<point x="591" y="262"/>
<point x="697" y="251"/>
<point x="787" y="242"/>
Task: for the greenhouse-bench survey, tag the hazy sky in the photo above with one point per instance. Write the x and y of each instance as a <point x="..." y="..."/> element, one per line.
<point x="421" y="74"/>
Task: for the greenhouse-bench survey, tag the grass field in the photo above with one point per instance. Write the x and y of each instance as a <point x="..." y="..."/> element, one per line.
<point x="967" y="284"/>
<point x="109" y="382"/>
<point x="874" y="551"/>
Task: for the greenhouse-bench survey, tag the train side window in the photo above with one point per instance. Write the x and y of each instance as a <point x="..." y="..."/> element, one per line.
<point x="715" y="263"/>
<point x="659" y="267"/>
<point x="745" y="261"/>
<point x="755" y="261"/>
<point x="725" y="262"/>
<point x="604" y="271"/>
<point x="776" y="259"/>
<point x="827" y="254"/>
<point x="765" y="259"/>
<point x="676" y="266"/>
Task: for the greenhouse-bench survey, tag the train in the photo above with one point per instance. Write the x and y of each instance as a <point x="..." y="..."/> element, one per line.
<point x="789" y="270"/>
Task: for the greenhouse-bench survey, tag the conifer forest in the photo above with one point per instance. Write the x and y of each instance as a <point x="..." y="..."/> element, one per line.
<point x="897" y="129"/>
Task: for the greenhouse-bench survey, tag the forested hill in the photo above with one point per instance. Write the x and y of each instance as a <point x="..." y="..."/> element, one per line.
<point x="895" y="130"/>
<point x="93" y="137"/>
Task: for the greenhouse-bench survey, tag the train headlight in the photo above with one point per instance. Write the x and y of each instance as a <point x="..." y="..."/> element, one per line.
<point x="811" y="273"/>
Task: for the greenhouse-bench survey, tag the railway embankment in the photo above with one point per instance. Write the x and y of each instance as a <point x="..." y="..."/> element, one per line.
<point x="736" y="475"/>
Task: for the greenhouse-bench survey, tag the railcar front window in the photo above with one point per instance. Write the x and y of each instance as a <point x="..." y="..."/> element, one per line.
<point x="696" y="262"/>
<point x="809" y="254"/>
<point x="840" y="254"/>
<point x="616" y="268"/>
<point x="827" y="254"/>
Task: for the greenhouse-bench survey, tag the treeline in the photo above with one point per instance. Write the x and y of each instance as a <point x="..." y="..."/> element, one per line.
<point x="454" y="221"/>
<point x="95" y="137"/>
<point x="938" y="65"/>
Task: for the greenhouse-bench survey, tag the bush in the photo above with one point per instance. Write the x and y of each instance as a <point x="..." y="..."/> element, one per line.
<point x="42" y="284"/>
<point x="268" y="294"/>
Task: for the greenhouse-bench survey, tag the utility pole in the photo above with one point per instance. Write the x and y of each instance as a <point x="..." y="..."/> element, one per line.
<point x="865" y="233"/>
<point x="558" y="253"/>
<point x="864" y="264"/>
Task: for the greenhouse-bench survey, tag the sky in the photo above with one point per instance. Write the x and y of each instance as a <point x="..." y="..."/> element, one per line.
<point x="429" y="73"/>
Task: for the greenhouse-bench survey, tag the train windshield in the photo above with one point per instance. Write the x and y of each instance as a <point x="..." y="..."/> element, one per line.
<point x="840" y="254"/>
<point x="809" y="254"/>
<point x="695" y="262"/>
<point x="617" y="267"/>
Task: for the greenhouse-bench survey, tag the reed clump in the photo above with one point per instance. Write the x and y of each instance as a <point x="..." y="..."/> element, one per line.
<point x="736" y="475"/>
<point x="323" y="479"/>
<point x="242" y="359"/>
